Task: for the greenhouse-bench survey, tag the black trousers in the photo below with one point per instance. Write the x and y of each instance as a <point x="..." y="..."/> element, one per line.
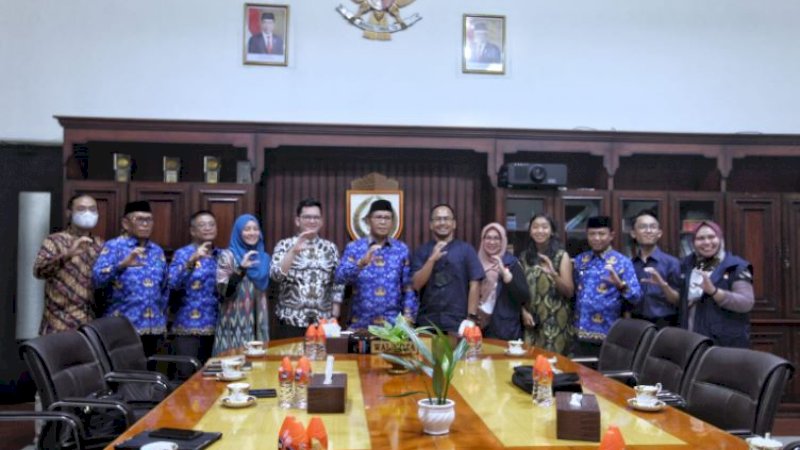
<point x="660" y="322"/>
<point x="199" y="347"/>
<point x="152" y="343"/>
<point x="285" y="330"/>
<point x="585" y="348"/>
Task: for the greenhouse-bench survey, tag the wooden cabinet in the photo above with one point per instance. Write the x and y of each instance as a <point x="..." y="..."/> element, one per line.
<point x="686" y="210"/>
<point x="626" y="205"/>
<point x="227" y="201"/>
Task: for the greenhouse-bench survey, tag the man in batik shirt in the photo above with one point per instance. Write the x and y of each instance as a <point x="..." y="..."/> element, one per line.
<point x="378" y="267"/>
<point x="133" y="272"/>
<point x="304" y="268"/>
<point x="65" y="263"/>
<point x="604" y="279"/>
<point x="193" y="275"/>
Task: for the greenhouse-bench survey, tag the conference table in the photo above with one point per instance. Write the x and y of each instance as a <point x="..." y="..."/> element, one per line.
<point x="491" y="413"/>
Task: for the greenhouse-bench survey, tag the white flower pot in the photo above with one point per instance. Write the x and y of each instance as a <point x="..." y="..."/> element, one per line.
<point x="436" y="419"/>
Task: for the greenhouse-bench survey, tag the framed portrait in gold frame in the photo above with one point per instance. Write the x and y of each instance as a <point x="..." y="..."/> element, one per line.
<point x="358" y="203"/>
<point x="266" y="34"/>
<point x="483" y="48"/>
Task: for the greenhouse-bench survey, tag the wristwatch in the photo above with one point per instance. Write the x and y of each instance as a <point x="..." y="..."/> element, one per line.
<point x="473" y="317"/>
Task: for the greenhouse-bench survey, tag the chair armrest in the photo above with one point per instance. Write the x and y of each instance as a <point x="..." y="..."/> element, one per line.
<point x="623" y="376"/>
<point x="588" y="361"/>
<point x="138" y="376"/>
<point x="94" y="403"/>
<point x="72" y="421"/>
<point x="176" y="359"/>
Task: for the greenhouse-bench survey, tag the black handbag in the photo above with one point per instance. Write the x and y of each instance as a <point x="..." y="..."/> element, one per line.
<point x="565" y="382"/>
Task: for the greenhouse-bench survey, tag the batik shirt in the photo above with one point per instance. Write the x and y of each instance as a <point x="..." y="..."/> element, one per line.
<point x="139" y="292"/>
<point x="382" y="289"/>
<point x="308" y="290"/>
<point x="68" y="291"/>
<point x="197" y="289"/>
<point x="598" y="301"/>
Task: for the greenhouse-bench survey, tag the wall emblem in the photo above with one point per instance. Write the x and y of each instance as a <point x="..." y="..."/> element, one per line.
<point x="379" y="14"/>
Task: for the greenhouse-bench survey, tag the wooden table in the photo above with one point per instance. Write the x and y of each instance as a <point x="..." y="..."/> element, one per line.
<point x="490" y="412"/>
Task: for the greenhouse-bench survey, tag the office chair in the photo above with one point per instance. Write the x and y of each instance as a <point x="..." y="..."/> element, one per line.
<point x="738" y="389"/>
<point x="624" y="348"/>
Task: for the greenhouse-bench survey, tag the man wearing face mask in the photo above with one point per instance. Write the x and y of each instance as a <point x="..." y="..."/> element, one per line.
<point x="65" y="263"/>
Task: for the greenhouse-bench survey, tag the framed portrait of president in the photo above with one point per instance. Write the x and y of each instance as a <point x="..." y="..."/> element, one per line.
<point x="358" y="203"/>
<point x="266" y="33"/>
<point x="484" y="44"/>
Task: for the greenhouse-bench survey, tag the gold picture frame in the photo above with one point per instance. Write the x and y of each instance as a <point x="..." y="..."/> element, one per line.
<point x="172" y="168"/>
<point x="265" y="38"/>
<point x="483" y="48"/>
<point x="358" y="203"/>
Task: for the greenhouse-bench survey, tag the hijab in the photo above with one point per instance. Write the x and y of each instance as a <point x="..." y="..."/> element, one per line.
<point x="702" y="263"/>
<point x="259" y="273"/>
<point x="491" y="268"/>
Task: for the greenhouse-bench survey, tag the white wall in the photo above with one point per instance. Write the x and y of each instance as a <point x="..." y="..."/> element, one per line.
<point x="677" y="65"/>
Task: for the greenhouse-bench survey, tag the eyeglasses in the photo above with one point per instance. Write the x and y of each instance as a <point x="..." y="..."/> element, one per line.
<point x="652" y="227"/>
<point x="142" y="220"/>
<point x="205" y="225"/>
<point x="441" y="219"/>
<point x="310" y="218"/>
<point x="381" y="218"/>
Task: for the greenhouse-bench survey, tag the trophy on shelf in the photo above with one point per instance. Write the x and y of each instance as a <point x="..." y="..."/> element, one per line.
<point x="172" y="166"/>
<point x="211" y="167"/>
<point x="122" y="167"/>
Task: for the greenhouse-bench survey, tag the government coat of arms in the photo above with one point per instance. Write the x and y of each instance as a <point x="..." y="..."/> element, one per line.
<point x="379" y="18"/>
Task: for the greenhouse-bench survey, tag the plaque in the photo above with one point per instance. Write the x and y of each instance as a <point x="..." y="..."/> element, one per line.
<point x="172" y="166"/>
<point x="211" y="167"/>
<point x="244" y="172"/>
<point x="122" y="167"/>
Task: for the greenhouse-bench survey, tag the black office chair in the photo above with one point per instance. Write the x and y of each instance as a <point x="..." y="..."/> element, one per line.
<point x="74" y="436"/>
<point x="119" y="349"/>
<point x="624" y="348"/>
<point x="794" y="445"/>
<point x="69" y="379"/>
<point x="738" y="389"/>
<point x="672" y="359"/>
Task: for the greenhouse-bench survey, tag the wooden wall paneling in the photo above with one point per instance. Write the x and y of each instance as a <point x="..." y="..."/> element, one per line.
<point x="790" y="256"/>
<point x="111" y="198"/>
<point x="227" y="202"/>
<point x="754" y="233"/>
<point x="777" y="338"/>
<point x="794" y="394"/>
<point x="170" y="203"/>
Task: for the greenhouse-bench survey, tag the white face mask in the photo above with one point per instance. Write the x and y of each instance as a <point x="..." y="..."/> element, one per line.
<point x="86" y="219"/>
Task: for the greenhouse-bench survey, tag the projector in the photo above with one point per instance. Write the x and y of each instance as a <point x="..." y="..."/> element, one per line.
<point x="526" y="175"/>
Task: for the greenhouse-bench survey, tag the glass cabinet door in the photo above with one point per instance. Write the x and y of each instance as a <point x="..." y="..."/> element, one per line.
<point x="519" y="211"/>
<point x="576" y="212"/>
<point x="626" y="206"/>
<point x="690" y="213"/>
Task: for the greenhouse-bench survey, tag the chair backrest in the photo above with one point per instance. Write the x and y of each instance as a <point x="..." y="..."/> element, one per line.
<point x="625" y="345"/>
<point x="738" y="389"/>
<point x="63" y="365"/>
<point x="117" y="344"/>
<point x="672" y="358"/>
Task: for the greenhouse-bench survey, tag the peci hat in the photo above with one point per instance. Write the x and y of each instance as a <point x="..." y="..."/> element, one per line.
<point x="599" y="222"/>
<point x="480" y="26"/>
<point x="267" y="16"/>
<point x="138" y="206"/>
<point x="380" y="205"/>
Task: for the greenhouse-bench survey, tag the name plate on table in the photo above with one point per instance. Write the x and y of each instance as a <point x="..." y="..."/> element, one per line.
<point x="379" y="346"/>
<point x="579" y="423"/>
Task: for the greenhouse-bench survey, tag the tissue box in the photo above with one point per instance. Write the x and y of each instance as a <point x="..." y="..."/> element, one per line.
<point x="577" y="423"/>
<point x="327" y="398"/>
<point x="337" y="345"/>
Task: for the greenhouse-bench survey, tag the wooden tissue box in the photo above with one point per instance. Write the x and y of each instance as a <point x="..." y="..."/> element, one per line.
<point x="577" y="423"/>
<point x="327" y="398"/>
<point x="337" y="345"/>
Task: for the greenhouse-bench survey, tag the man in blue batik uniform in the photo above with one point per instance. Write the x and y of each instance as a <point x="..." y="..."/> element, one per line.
<point x="193" y="275"/>
<point x="132" y="271"/>
<point x="378" y="267"/>
<point x="604" y="279"/>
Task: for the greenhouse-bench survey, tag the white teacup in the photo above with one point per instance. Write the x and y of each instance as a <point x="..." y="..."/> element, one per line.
<point x="254" y="346"/>
<point x="763" y="443"/>
<point x="237" y="392"/>
<point x="230" y="367"/>
<point x="515" y="346"/>
<point x="647" y="395"/>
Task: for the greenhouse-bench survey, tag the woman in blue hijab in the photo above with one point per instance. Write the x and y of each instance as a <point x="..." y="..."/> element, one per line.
<point x="242" y="279"/>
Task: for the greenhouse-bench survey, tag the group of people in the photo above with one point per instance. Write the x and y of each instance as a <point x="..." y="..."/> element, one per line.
<point x="219" y="296"/>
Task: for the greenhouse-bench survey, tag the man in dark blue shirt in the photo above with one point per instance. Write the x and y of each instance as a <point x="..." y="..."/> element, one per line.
<point x="658" y="273"/>
<point x="447" y="273"/>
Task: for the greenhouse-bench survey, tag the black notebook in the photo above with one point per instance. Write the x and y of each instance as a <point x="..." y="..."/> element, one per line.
<point x="204" y="440"/>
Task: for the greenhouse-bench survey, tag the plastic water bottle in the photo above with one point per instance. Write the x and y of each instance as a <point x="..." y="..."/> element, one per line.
<point x="285" y="384"/>
<point x="474" y="342"/>
<point x="542" y="382"/>
<point x="321" y="353"/>
<point x="310" y="349"/>
<point x="302" y="375"/>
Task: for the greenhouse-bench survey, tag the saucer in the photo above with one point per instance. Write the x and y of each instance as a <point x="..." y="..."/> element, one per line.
<point x="230" y="377"/>
<point x="657" y="406"/>
<point x="519" y="353"/>
<point x="160" y="445"/>
<point x="255" y="353"/>
<point x="230" y="403"/>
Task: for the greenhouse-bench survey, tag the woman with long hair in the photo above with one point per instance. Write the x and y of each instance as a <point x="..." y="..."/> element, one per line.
<point x="503" y="290"/>
<point x="548" y="314"/>
<point x="242" y="280"/>
<point x="717" y="294"/>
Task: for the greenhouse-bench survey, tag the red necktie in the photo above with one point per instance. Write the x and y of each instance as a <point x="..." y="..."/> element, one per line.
<point x="269" y="44"/>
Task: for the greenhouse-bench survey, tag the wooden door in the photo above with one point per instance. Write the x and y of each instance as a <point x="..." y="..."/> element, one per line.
<point x="170" y="204"/>
<point x="754" y="233"/>
<point x="790" y="255"/>
<point x="111" y="198"/>
<point x="226" y="202"/>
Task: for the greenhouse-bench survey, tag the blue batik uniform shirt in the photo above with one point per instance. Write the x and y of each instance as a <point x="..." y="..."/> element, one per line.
<point x="140" y="292"/>
<point x="382" y="289"/>
<point x="599" y="302"/>
<point x="654" y="303"/>
<point x="197" y="288"/>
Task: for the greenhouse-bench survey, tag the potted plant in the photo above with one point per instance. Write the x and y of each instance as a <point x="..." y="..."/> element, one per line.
<point x="395" y="340"/>
<point x="437" y="411"/>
